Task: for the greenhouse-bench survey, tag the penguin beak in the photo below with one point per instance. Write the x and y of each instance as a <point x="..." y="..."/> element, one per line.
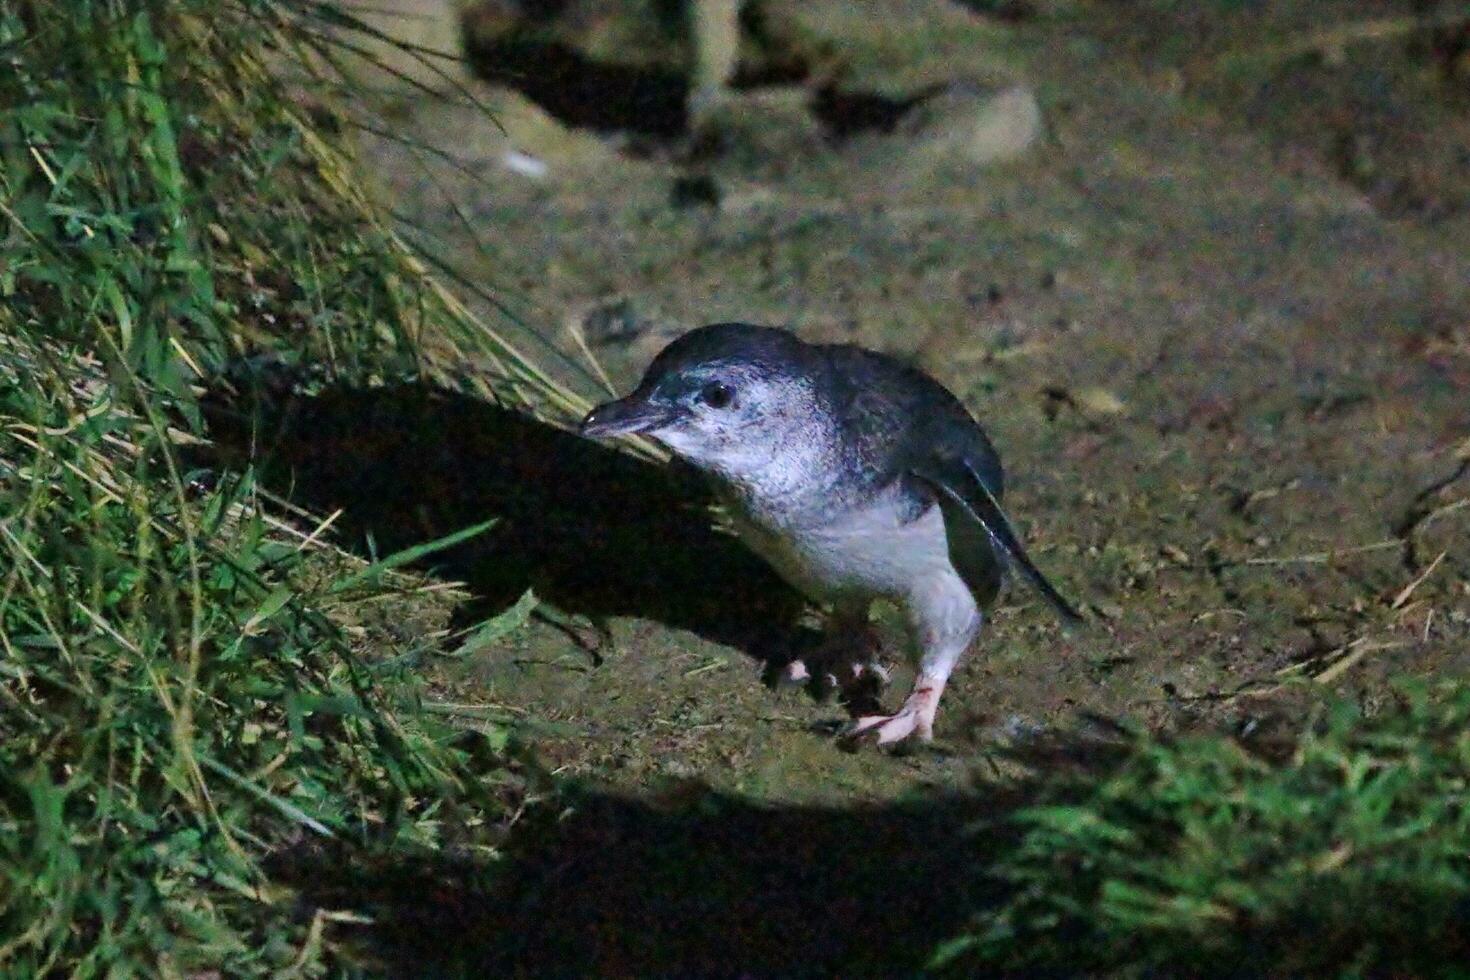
<point x="626" y="416"/>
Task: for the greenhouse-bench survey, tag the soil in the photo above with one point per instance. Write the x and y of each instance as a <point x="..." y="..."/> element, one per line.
<point x="1214" y="316"/>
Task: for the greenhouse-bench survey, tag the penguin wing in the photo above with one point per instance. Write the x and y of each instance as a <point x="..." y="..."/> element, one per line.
<point x="966" y="499"/>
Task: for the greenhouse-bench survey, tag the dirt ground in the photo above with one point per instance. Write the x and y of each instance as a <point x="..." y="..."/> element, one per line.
<point x="1213" y="315"/>
<point x="1209" y="298"/>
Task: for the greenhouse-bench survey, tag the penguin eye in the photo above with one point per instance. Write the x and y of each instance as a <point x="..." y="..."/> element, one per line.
<point x="717" y="394"/>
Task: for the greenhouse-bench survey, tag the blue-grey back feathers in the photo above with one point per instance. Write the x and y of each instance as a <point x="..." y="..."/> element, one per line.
<point x="894" y="424"/>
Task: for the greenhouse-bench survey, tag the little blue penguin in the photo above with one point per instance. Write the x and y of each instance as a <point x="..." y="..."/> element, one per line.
<point x="855" y="476"/>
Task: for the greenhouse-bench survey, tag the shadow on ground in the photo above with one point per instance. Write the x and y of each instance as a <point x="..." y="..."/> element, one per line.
<point x="584" y="92"/>
<point x="594" y="531"/>
<point x="688" y="881"/>
<point x="649" y="100"/>
<point x="693" y="884"/>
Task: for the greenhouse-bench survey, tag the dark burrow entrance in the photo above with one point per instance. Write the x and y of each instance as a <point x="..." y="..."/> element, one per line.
<point x="651" y="100"/>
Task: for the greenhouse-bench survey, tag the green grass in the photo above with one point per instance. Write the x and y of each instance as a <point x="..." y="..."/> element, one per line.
<point x="179" y="703"/>
<point x="182" y="714"/>
<point x="1346" y="856"/>
<point x="178" y="706"/>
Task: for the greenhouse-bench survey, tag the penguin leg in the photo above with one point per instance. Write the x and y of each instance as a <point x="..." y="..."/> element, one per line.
<point x="944" y="620"/>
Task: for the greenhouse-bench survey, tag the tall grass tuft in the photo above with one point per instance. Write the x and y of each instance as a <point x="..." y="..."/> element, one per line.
<point x="176" y="703"/>
<point x="1346" y="857"/>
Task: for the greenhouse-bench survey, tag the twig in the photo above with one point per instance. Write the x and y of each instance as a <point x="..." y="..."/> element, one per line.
<point x="1323" y="557"/>
<point x="1439" y="512"/>
<point x="574" y="327"/>
<point x="1408" y="590"/>
<point x="715" y="664"/>
<point x="1336" y="669"/>
<point x="311" y="538"/>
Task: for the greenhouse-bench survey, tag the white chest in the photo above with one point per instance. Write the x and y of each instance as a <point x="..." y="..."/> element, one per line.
<point x="867" y="553"/>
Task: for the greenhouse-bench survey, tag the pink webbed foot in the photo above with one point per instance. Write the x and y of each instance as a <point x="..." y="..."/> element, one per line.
<point x="891" y="728"/>
<point x="916" y="717"/>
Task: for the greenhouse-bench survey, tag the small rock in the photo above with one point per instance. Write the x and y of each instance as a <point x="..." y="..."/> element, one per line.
<point x="971" y="124"/>
<point x="1019" y="728"/>
<point x="524" y="164"/>
<point x="679" y="769"/>
<point x="982" y="126"/>
<point x="1006" y="126"/>
<point x="1176" y="554"/>
<point x="612" y="321"/>
<point x="1097" y="403"/>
